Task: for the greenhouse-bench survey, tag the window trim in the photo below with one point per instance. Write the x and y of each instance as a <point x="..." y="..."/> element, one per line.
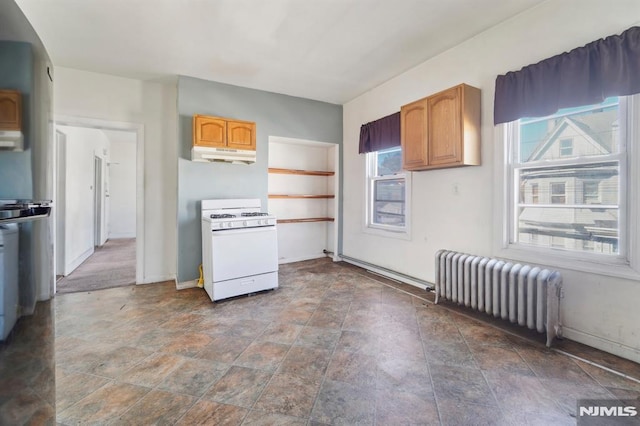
<point x="628" y="268"/>
<point x="562" y="194"/>
<point x="380" y="229"/>
<point x="565" y="148"/>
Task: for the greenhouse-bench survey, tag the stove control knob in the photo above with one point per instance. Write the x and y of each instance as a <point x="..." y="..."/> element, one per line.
<point x="244" y="223"/>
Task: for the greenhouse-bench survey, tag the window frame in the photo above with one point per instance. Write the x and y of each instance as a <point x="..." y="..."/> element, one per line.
<point x="561" y="195"/>
<point x="627" y="264"/>
<point x="565" y="148"/>
<point x="403" y="232"/>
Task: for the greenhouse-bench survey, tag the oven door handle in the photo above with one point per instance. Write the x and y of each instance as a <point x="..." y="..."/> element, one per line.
<point x="270" y="228"/>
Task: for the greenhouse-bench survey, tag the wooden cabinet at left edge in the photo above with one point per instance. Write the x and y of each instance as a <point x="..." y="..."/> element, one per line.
<point x="442" y="130"/>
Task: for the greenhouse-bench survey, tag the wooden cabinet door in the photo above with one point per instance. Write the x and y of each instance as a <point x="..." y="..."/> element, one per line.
<point x="413" y="135"/>
<point x="10" y="110"/>
<point x="445" y="133"/>
<point x="209" y="131"/>
<point x="241" y="135"/>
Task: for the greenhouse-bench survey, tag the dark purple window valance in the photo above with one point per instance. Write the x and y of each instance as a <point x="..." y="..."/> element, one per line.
<point x="380" y="134"/>
<point x="585" y="75"/>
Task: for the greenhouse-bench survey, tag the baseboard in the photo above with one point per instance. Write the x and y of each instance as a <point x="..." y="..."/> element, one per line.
<point x="157" y="279"/>
<point x="301" y="258"/>
<point x="386" y="272"/>
<point x="186" y="284"/>
<point x="603" y="344"/>
<point x="71" y="266"/>
<point x="122" y="235"/>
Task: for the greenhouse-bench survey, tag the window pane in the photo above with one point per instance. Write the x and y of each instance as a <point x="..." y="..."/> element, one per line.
<point x="584" y="226"/>
<point x="388" y="161"/>
<point x="581" y="132"/>
<point x="389" y="202"/>
<point x="389" y="190"/>
<point x="574" y="184"/>
<point x="591" y="230"/>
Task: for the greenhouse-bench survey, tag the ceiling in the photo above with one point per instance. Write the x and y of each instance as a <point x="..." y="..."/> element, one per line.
<point x="328" y="50"/>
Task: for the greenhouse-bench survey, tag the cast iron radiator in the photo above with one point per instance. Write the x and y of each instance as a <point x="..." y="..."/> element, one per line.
<point x="523" y="294"/>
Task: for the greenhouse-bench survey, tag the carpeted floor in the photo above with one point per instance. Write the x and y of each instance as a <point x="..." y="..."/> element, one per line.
<point x="112" y="265"/>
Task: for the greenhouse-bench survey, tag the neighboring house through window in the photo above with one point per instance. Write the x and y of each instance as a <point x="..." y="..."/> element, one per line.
<point x="578" y="203"/>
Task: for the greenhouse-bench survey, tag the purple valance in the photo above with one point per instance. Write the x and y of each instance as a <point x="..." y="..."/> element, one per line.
<point x="585" y="75"/>
<point x="380" y="134"/>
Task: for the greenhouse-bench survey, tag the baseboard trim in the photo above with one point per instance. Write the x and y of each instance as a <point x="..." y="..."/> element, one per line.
<point x="71" y="266"/>
<point x="301" y="258"/>
<point x="186" y="284"/>
<point x="387" y="273"/>
<point x="157" y="279"/>
<point x="122" y="235"/>
<point x="603" y="344"/>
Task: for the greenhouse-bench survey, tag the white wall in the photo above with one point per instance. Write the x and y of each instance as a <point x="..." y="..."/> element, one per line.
<point x="122" y="184"/>
<point x="82" y="146"/>
<point x="598" y="310"/>
<point x="152" y="104"/>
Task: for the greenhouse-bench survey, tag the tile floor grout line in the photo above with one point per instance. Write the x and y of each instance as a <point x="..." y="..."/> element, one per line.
<point x="433" y="388"/>
<point x="560" y="351"/>
<point x="272" y="373"/>
<point x="595" y="364"/>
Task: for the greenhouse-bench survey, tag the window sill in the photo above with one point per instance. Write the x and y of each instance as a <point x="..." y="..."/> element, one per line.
<point x="400" y="235"/>
<point x="572" y="263"/>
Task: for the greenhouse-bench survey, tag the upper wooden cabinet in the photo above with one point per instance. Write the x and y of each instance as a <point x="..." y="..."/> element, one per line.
<point x="217" y="132"/>
<point x="241" y="134"/>
<point x="10" y="110"/>
<point x="442" y="130"/>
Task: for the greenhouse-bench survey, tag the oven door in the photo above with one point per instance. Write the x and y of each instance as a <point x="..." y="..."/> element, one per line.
<point x="237" y="253"/>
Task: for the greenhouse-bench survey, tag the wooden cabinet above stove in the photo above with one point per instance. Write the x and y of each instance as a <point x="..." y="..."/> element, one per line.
<point x="218" y="132"/>
<point x="10" y="110"/>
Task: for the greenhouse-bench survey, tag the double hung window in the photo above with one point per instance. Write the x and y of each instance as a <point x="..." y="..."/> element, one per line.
<point x="568" y="180"/>
<point x="387" y="191"/>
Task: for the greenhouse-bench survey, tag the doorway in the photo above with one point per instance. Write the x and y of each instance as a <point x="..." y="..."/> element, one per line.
<point x="97" y="193"/>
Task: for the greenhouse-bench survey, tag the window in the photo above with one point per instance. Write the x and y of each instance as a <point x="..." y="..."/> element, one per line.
<point x="388" y="186"/>
<point x="566" y="147"/>
<point x="591" y="192"/>
<point x="574" y="204"/>
<point x="534" y="193"/>
<point x="558" y="193"/>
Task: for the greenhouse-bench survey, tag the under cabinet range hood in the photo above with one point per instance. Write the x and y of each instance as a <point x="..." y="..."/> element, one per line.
<point x="17" y="211"/>
<point x="235" y="156"/>
<point x="11" y="140"/>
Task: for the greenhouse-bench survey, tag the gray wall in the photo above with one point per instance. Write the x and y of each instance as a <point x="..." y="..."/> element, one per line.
<point x="16" y="73"/>
<point x="274" y="114"/>
<point x="16" y="182"/>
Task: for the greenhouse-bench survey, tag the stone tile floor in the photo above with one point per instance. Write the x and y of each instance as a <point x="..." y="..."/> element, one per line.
<point x="332" y="345"/>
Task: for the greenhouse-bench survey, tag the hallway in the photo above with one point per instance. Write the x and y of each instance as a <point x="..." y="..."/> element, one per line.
<point x="112" y="265"/>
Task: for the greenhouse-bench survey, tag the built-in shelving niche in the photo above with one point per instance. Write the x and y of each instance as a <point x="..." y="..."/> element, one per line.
<point x="303" y="189"/>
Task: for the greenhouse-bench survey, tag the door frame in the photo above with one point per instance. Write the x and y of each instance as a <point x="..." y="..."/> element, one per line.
<point x="98" y="201"/>
<point x="138" y="129"/>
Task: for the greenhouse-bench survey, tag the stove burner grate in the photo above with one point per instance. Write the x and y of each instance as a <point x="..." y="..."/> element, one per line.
<point x="251" y="214"/>
<point x="222" y="216"/>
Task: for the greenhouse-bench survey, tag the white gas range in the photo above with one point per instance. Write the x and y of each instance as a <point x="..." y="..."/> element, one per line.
<point x="239" y="248"/>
